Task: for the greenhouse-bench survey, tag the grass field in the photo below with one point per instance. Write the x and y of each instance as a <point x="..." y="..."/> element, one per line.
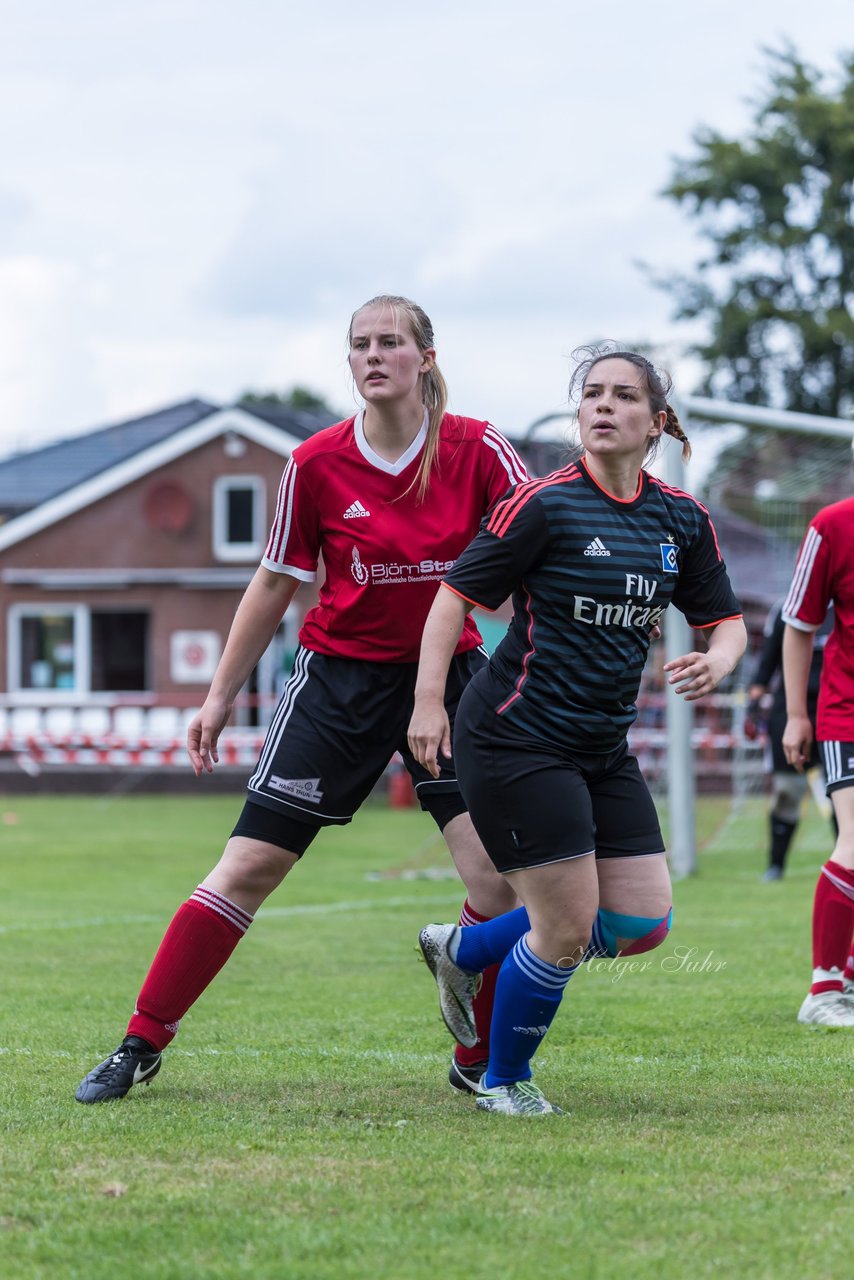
<point x="302" y="1125"/>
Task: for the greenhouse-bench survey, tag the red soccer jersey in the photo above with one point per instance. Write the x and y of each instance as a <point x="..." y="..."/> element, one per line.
<point x="825" y="572"/>
<point x="341" y="500"/>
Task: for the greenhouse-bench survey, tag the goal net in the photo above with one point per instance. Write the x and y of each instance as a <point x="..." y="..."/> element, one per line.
<point x="762" y="481"/>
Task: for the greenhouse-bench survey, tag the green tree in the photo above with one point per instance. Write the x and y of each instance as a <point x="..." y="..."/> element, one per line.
<point x="775" y="209"/>
<point x="296" y="398"/>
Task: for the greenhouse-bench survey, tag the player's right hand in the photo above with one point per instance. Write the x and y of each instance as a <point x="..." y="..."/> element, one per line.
<point x="429" y="733"/>
<point x="203" y="735"/>
<point x="797" y="741"/>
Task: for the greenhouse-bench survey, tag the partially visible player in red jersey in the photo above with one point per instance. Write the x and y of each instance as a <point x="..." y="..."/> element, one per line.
<point x="825" y="572"/>
<point x="389" y="499"/>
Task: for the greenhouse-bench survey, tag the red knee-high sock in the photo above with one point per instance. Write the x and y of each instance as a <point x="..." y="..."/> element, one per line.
<point x="483" y="1001"/>
<point x="832" y="923"/>
<point x="203" y="933"/>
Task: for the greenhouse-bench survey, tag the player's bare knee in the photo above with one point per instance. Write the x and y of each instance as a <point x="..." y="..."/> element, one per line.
<point x="488" y="893"/>
<point x="560" y="940"/>
<point x="251" y="866"/>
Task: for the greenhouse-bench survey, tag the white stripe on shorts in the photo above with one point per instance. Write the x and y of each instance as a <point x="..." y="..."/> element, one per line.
<point x="297" y="680"/>
<point x="838" y="760"/>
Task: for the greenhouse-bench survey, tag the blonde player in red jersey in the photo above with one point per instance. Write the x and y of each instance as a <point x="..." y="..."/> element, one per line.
<point x="824" y="573"/>
<point x="389" y="499"/>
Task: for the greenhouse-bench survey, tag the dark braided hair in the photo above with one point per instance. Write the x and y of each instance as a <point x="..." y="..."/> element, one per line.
<point x="658" y="385"/>
<point x="673" y="427"/>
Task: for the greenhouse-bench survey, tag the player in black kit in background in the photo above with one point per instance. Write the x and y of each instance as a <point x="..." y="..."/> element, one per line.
<point x="789" y="787"/>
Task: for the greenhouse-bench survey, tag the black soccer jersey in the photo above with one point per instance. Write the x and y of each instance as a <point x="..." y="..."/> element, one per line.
<point x="589" y="575"/>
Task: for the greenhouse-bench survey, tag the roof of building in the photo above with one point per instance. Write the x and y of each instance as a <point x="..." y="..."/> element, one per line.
<point x="31" y="478"/>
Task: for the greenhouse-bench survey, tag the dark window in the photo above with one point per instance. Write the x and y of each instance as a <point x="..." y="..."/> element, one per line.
<point x="240" y="512"/>
<point x="47" y="651"/>
<point x="119" y="652"/>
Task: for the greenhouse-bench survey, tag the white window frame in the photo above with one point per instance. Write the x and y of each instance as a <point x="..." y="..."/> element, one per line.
<point x="82" y="639"/>
<point x="233" y="551"/>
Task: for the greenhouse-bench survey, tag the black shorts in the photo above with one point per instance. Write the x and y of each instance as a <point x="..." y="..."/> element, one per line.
<point x="776" y="727"/>
<point x="337" y="725"/>
<point x="838" y="760"/>
<point x="533" y="803"/>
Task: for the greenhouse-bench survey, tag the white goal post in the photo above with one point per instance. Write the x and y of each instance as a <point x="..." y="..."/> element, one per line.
<point x="681" y="781"/>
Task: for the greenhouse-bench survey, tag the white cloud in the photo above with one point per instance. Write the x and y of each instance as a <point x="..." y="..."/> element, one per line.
<point x="196" y="196"/>
<point x="43" y="358"/>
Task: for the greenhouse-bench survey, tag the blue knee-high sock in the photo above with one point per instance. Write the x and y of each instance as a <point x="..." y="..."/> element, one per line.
<point x="527" y="996"/>
<point x="481" y="945"/>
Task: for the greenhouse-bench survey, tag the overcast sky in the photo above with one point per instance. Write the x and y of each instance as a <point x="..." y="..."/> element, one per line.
<point x="195" y="195"/>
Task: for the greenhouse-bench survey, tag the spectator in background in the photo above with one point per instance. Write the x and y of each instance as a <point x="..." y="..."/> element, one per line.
<point x="824" y="573"/>
<point x="788" y="785"/>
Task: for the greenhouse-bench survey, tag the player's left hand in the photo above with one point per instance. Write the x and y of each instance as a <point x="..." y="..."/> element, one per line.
<point x="696" y="674"/>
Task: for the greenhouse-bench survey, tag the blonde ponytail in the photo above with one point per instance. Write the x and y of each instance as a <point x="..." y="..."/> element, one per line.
<point x="435" y="396"/>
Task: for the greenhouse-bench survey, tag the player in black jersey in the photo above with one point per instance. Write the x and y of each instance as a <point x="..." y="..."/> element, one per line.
<point x="593" y="554"/>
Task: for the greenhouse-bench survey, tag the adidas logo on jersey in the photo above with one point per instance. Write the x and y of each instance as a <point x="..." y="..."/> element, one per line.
<point x="354" y="511"/>
<point x="597" y="548"/>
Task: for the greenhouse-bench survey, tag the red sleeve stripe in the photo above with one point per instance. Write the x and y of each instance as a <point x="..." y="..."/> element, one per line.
<point x="507" y="510"/>
<point x="284" y="511"/>
<point x="510" y="460"/>
<point x="523" y="676"/>
<point x="680" y="493"/>
<point x="804" y="567"/>
<point x="703" y="626"/>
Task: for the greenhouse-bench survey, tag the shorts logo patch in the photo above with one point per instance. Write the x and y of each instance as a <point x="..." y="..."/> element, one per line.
<point x="300" y="788"/>
<point x="669" y="557"/>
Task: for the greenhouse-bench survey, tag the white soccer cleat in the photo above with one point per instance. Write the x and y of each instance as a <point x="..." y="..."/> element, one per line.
<point x="827" y="1009"/>
<point x="457" y="987"/>
<point x="520" y="1099"/>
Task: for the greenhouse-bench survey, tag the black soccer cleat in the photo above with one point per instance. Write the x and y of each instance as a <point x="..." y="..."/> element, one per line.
<point x="134" y="1062"/>
<point x="466" y="1079"/>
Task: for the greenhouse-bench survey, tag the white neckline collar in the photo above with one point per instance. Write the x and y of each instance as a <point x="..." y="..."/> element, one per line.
<point x="382" y="464"/>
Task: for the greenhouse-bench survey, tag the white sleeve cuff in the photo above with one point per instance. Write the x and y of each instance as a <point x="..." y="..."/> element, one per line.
<point x="303" y="575"/>
<point x="799" y="625"/>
